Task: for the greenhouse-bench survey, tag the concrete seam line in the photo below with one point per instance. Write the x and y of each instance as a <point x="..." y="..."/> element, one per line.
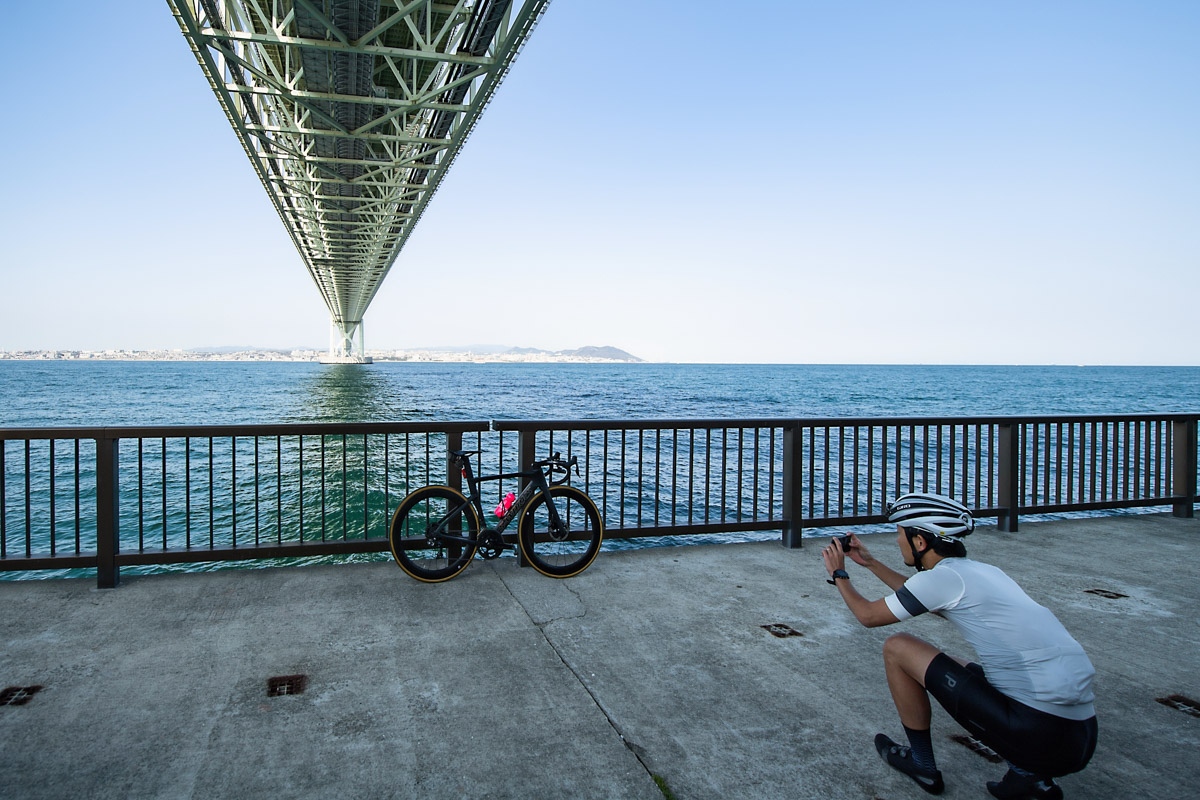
<point x="632" y="748"/>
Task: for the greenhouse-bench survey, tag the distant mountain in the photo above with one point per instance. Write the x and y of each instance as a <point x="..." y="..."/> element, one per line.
<point x="613" y="353"/>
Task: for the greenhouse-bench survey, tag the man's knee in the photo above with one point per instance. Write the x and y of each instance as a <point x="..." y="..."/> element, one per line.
<point x="899" y="644"/>
<point x="909" y="653"/>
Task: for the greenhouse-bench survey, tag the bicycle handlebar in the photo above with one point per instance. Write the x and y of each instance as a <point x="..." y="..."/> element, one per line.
<point x="557" y="466"/>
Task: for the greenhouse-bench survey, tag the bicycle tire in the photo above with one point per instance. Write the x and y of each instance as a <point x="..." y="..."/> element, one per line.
<point x="569" y="557"/>
<point x="428" y="508"/>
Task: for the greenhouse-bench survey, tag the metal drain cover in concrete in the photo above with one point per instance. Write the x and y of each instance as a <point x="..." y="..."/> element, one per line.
<point x="286" y="684"/>
<point x="18" y="695"/>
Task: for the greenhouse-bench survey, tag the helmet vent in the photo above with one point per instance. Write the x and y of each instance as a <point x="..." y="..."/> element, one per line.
<point x="978" y="747"/>
<point x="780" y="630"/>
<point x="286" y="684"/>
<point x="1111" y="595"/>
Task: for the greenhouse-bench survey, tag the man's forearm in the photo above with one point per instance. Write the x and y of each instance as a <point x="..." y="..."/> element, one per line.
<point x="889" y="576"/>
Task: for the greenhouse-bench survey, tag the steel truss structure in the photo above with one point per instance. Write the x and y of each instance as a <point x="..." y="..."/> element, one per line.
<point x="351" y="112"/>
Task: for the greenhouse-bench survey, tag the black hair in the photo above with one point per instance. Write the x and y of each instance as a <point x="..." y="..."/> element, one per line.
<point x="953" y="548"/>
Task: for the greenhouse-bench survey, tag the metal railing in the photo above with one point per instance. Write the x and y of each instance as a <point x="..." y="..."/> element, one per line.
<point x="107" y="498"/>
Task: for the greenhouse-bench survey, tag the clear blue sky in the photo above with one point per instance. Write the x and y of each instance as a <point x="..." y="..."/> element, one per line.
<point x="882" y="182"/>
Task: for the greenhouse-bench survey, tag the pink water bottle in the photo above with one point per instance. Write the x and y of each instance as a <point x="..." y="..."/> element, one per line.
<point x="504" y="506"/>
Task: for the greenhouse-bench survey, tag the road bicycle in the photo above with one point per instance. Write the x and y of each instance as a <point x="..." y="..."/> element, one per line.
<point x="437" y="530"/>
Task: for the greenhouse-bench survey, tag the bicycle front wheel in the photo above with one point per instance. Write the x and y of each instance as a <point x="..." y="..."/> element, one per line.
<point x="567" y="549"/>
<point x="419" y="528"/>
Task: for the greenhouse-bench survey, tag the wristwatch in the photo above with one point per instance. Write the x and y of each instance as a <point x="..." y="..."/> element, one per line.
<point x="838" y="573"/>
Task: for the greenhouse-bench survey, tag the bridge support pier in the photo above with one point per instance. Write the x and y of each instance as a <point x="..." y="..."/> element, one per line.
<point x="347" y="343"/>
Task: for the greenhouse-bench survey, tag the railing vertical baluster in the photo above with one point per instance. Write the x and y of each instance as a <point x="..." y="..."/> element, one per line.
<point x="754" y="478"/>
<point x="979" y="464"/>
<point x="108" y="516"/>
<point x="870" y="468"/>
<point x="924" y="458"/>
<point x="78" y="545"/>
<point x="257" y="516"/>
<point x="1058" y="463"/>
<point x="1137" y="459"/>
<point x="4" y="499"/>
<point x="53" y="548"/>
<point x="604" y="472"/>
<point x="825" y="491"/>
<point x="1150" y="458"/>
<point x="640" y="485"/>
<point x="938" y="460"/>
<point x="141" y="494"/>
<point x="211" y="504"/>
<point x="740" y="493"/>
<point x="991" y="462"/>
<point x="621" y="522"/>
<point x="841" y="470"/>
<point x="387" y="483"/>
<point x="812" y="471"/>
<point x="952" y="458"/>
<point x="323" y="490"/>
<point x="300" y="487"/>
<point x="1183" y="465"/>
<point x="883" y="468"/>
<point x="966" y="463"/>
<point x="707" y="473"/>
<point x="674" y="472"/>
<point x="233" y="490"/>
<point x="278" y="490"/>
<point x="164" y="492"/>
<point x="657" y="471"/>
<point x="28" y="501"/>
<point x="724" y="468"/>
<point x="345" y="489"/>
<point x="792" y="487"/>
<point x="187" y="492"/>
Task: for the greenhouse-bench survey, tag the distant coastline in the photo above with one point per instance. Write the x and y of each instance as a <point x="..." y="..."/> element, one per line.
<point x="477" y="354"/>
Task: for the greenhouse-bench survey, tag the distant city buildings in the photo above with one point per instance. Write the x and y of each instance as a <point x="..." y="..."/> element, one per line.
<point x="587" y="355"/>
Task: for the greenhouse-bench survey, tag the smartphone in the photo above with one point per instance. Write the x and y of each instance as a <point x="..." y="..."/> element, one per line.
<point x="845" y="542"/>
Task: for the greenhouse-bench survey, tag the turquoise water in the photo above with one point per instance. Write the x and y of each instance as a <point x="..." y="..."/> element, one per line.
<point x="51" y="394"/>
<point x="34" y="393"/>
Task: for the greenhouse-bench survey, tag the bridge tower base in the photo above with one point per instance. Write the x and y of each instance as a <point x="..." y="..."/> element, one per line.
<point x="347" y="344"/>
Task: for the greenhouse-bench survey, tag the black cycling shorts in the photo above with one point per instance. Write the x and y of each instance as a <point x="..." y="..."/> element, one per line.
<point x="1034" y="740"/>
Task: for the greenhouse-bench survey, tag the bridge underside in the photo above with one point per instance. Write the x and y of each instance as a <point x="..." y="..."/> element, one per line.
<point x="351" y="112"/>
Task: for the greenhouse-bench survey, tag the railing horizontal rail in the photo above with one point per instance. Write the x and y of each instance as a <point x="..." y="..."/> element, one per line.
<point x="112" y="497"/>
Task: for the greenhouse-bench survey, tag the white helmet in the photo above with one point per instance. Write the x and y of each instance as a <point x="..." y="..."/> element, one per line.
<point x="933" y="514"/>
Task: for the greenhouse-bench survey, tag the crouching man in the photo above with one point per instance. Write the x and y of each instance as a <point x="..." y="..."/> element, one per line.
<point x="1030" y="696"/>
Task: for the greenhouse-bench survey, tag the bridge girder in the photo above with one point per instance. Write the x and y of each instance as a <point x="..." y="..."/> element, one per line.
<point x="351" y="112"/>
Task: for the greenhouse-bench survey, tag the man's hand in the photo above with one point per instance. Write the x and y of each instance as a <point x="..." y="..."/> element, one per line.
<point x="859" y="553"/>
<point x="834" y="558"/>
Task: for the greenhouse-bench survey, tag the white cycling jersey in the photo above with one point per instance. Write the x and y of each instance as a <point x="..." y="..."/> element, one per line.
<point x="1025" y="651"/>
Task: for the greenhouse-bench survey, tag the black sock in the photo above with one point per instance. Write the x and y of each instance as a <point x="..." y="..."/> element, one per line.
<point x="922" y="748"/>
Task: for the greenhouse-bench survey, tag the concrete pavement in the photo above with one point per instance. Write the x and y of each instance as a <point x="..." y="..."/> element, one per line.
<point x="504" y="684"/>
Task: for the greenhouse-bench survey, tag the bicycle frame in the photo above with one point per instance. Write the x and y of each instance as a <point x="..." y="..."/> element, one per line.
<point x="537" y="484"/>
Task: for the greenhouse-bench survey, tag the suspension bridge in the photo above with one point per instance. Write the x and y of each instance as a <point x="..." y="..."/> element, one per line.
<point x="352" y="112"/>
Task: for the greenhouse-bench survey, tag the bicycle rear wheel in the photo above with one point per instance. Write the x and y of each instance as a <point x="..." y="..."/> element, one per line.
<point x="570" y="549"/>
<point x="418" y="526"/>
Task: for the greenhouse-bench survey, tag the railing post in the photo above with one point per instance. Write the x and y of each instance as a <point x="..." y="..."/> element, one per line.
<point x="108" y="511"/>
<point x="793" y="486"/>
<point x="1008" y="467"/>
<point x="526" y="455"/>
<point x="453" y="476"/>
<point x="1183" y="467"/>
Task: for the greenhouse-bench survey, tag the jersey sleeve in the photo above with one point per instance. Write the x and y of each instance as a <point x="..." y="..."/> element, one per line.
<point x="932" y="590"/>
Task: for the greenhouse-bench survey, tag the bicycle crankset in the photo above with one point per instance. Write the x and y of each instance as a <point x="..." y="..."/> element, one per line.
<point x="490" y="544"/>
